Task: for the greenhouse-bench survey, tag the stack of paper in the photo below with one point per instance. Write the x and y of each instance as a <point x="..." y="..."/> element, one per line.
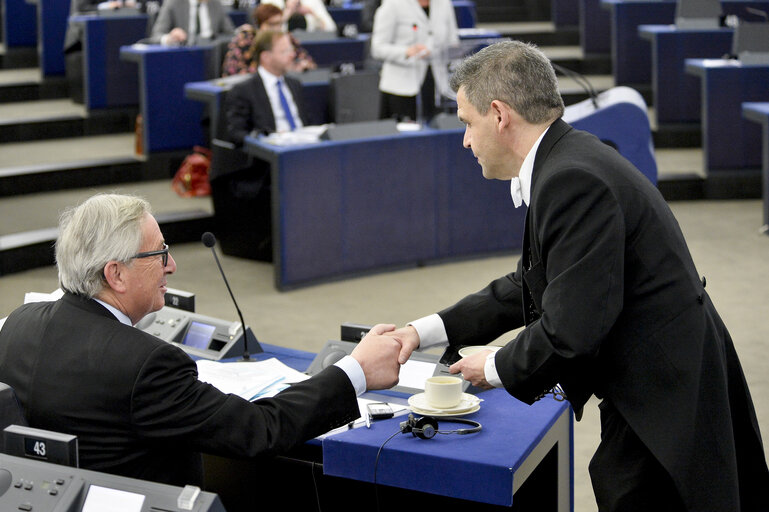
<point x="249" y="380"/>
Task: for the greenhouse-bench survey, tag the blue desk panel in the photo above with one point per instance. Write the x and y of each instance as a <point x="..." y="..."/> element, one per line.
<point x="170" y="121"/>
<point x="677" y="94"/>
<point x="332" y="52"/>
<point x="594" y="27"/>
<point x="19" y="24"/>
<point x="52" y="16"/>
<point x="631" y="55"/>
<point x="487" y="467"/>
<point x="464" y="10"/>
<point x="480" y="467"/>
<point x="108" y="80"/>
<point x="729" y="142"/>
<point x="351" y="14"/>
<point x="759" y="113"/>
<point x="565" y="13"/>
<point x="420" y="195"/>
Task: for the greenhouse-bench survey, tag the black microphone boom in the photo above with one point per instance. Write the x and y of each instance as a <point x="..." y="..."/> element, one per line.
<point x="209" y="240"/>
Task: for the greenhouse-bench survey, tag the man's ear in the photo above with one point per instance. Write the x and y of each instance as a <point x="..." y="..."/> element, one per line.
<point x="113" y="274"/>
<point x="501" y="112"/>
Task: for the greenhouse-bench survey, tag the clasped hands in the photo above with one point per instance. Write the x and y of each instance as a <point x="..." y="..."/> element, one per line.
<point x="405" y="340"/>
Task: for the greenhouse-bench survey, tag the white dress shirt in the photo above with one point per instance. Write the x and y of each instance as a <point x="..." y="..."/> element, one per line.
<point x="270" y="82"/>
<point x="430" y="328"/>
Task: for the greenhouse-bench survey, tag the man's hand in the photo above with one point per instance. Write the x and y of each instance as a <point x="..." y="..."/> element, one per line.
<point x="377" y="354"/>
<point x="472" y="369"/>
<point x="177" y="36"/>
<point x="409" y="339"/>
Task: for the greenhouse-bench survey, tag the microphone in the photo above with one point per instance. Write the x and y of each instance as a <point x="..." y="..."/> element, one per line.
<point x="209" y="240"/>
<point x="581" y="80"/>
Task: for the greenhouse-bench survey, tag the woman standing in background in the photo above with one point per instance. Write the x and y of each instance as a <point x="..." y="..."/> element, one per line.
<point x="412" y="38"/>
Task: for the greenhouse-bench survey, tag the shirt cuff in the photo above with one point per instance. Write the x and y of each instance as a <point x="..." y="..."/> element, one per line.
<point x="490" y="371"/>
<point x="431" y="331"/>
<point x="354" y="372"/>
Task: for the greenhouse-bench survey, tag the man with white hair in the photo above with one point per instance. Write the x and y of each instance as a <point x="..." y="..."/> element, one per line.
<point x="134" y="401"/>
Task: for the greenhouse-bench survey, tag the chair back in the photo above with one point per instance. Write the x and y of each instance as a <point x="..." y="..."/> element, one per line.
<point x="11" y="412"/>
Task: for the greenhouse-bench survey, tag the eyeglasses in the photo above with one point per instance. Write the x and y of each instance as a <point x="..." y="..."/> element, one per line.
<point x="163" y="252"/>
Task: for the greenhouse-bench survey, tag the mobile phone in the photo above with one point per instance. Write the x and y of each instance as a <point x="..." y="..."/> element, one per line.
<point x="379" y="410"/>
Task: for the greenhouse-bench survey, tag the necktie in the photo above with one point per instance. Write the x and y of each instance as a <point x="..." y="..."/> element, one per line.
<point x="516" y="192"/>
<point x="284" y="105"/>
<point x="195" y="22"/>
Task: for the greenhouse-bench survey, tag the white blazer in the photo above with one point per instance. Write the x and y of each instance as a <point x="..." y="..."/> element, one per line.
<point x="322" y="21"/>
<point x="399" y="24"/>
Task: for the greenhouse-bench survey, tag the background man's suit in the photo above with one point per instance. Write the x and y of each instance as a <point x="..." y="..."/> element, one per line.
<point x="614" y="307"/>
<point x="248" y="107"/>
<point x="176" y="13"/>
<point x="135" y="403"/>
<point x="240" y="184"/>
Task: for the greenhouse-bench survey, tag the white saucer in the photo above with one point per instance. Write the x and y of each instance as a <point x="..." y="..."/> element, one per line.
<point x="419" y="405"/>
<point x="431" y="412"/>
<point x="474" y="349"/>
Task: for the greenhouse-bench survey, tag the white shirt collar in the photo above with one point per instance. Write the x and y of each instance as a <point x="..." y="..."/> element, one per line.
<point x="122" y="317"/>
<point x="268" y="78"/>
<point x="520" y="187"/>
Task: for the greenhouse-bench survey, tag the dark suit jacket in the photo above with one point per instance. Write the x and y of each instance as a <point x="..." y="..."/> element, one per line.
<point x="613" y="306"/>
<point x="248" y="107"/>
<point x="176" y="13"/>
<point x="135" y="402"/>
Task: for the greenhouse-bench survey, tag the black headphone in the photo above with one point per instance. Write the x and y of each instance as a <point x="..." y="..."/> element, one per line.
<point x="426" y="427"/>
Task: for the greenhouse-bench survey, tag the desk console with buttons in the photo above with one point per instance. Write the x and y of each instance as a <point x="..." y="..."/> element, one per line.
<point x="33" y="486"/>
<point x="199" y="335"/>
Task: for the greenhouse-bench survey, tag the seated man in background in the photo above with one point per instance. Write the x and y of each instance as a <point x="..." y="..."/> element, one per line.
<point x="187" y="22"/>
<point x="240" y="59"/>
<point x="134" y="401"/>
<point x="269" y="101"/>
<point x="266" y="102"/>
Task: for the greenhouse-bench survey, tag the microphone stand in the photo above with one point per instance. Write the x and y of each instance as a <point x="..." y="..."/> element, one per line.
<point x="210" y="241"/>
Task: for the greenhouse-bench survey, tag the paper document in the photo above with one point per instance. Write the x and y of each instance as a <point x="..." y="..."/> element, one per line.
<point x="249" y="380"/>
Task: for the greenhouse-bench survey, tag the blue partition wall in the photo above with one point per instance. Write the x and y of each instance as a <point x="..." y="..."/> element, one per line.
<point x="19" y="24"/>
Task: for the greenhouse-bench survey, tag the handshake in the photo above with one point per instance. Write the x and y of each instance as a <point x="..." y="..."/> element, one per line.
<point x="384" y="349"/>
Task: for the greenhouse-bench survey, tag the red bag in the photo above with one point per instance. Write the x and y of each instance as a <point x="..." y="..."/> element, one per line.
<point x="191" y="179"/>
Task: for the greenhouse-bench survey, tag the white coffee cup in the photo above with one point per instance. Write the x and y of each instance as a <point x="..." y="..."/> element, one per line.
<point x="474" y="349"/>
<point x="443" y="392"/>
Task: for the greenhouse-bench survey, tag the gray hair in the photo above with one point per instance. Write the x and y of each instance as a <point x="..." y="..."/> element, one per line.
<point x="105" y="227"/>
<point x="518" y="74"/>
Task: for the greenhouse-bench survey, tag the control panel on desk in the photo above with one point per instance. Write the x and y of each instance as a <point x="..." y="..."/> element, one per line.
<point x="198" y="335"/>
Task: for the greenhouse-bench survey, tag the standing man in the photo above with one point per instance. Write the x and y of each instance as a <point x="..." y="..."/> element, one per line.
<point x="134" y="401"/>
<point x="189" y="22"/>
<point x="611" y="302"/>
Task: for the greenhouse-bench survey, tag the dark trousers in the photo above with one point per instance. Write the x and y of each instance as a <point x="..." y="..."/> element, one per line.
<point x="243" y="212"/>
<point x="626" y="477"/>
<point x="404" y="108"/>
